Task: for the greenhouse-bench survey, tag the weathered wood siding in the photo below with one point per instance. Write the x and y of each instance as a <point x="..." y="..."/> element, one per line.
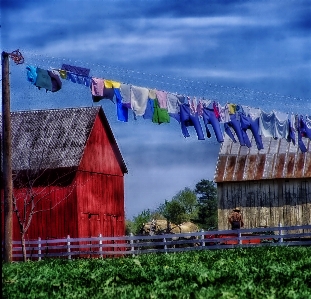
<point x="266" y="202"/>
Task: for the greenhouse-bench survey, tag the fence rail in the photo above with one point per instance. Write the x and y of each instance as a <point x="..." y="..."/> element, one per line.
<point x="133" y="245"/>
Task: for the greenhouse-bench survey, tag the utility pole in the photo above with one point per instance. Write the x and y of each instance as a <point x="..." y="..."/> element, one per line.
<point x="7" y="159"/>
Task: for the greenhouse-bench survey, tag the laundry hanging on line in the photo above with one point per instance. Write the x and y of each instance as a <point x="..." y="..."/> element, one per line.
<point x="41" y="78"/>
<point x="159" y="106"/>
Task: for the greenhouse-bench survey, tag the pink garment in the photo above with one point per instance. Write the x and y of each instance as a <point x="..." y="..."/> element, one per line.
<point x="97" y="86"/>
<point x="162" y="98"/>
<point x="200" y="108"/>
<point x="216" y="110"/>
<point x="193" y="105"/>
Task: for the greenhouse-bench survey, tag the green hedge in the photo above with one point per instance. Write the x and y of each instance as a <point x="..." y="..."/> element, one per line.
<point x="266" y="272"/>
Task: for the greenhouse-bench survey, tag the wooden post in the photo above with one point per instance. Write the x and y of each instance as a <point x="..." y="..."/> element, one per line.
<point x="7" y="160"/>
<point x="281" y="233"/>
<point x="100" y="246"/>
<point x="202" y="238"/>
<point x="239" y="237"/>
<point x="39" y="250"/>
<point x="68" y="247"/>
<point x="132" y="243"/>
<point x="165" y="246"/>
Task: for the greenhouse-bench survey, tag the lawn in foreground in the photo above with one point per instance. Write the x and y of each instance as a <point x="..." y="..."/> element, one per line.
<point x="265" y="272"/>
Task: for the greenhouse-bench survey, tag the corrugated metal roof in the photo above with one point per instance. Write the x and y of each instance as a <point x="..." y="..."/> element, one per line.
<point x="278" y="159"/>
<point x="49" y="139"/>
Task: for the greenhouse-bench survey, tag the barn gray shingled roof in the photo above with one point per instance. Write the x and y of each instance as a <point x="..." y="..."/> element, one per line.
<point x="49" y="139"/>
<point x="278" y="159"/>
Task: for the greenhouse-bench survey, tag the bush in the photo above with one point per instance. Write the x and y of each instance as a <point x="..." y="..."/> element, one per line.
<point x="261" y="272"/>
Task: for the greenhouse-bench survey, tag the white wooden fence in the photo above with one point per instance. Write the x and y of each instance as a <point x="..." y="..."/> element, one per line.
<point x="133" y="245"/>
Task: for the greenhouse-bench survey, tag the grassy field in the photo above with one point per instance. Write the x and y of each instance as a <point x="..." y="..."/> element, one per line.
<point x="266" y="272"/>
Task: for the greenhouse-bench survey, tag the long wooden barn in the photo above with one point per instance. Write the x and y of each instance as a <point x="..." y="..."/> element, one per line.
<point x="271" y="186"/>
<point x="69" y="172"/>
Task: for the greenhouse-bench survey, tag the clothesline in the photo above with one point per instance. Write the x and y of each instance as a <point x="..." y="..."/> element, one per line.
<point x="160" y="106"/>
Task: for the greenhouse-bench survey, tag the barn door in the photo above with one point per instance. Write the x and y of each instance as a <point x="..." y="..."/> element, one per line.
<point x="90" y="227"/>
<point x="93" y="229"/>
<point x="93" y="225"/>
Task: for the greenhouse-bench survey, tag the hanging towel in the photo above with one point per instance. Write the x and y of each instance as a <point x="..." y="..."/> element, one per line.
<point x="111" y="84"/>
<point x="152" y="94"/>
<point x="267" y="124"/>
<point x="274" y="124"/>
<point x="43" y="79"/>
<point x="173" y="106"/>
<point x="122" y="111"/>
<point x="56" y="83"/>
<point x="162" y="98"/>
<point x="281" y="125"/>
<point x="31" y="74"/>
<point x="125" y="90"/>
<point x="97" y="86"/>
<point x="253" y="113"/>
<point x="139" y="98"/>
<point x="160" y="115"/>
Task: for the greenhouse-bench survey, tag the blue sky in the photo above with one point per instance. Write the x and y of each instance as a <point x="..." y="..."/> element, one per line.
<point x="255" y="53"/>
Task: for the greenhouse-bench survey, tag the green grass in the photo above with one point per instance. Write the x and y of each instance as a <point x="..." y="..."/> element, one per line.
<point x="266" y="272"/>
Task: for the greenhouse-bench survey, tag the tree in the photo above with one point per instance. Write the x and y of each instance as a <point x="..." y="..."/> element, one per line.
<point x="188" y="200"/>
<point x="33" y="186"/>
<point x="207" y="204"/>
<point x="139" y="221"/>
<point x="182" y="207"/>
<point x="173" y="212"/>
<point x="37" y="178"/>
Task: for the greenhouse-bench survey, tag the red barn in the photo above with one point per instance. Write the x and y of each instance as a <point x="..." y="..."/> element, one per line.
<point x="68" y="173"/>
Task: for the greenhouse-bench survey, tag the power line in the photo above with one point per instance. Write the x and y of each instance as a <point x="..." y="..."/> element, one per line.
<point x="202" y="88"/>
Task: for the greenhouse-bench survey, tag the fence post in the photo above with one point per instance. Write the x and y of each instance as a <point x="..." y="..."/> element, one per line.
<point x="68" y="247"/>
<point x="280" y="233"/>
<point x="100" y="247"/>
<point x="132" y="243"/>
<point x="202" y="237"/>
<point x="165" y="246"/>
<point x="239" y="237"/>
<point x="39" y="250"/>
